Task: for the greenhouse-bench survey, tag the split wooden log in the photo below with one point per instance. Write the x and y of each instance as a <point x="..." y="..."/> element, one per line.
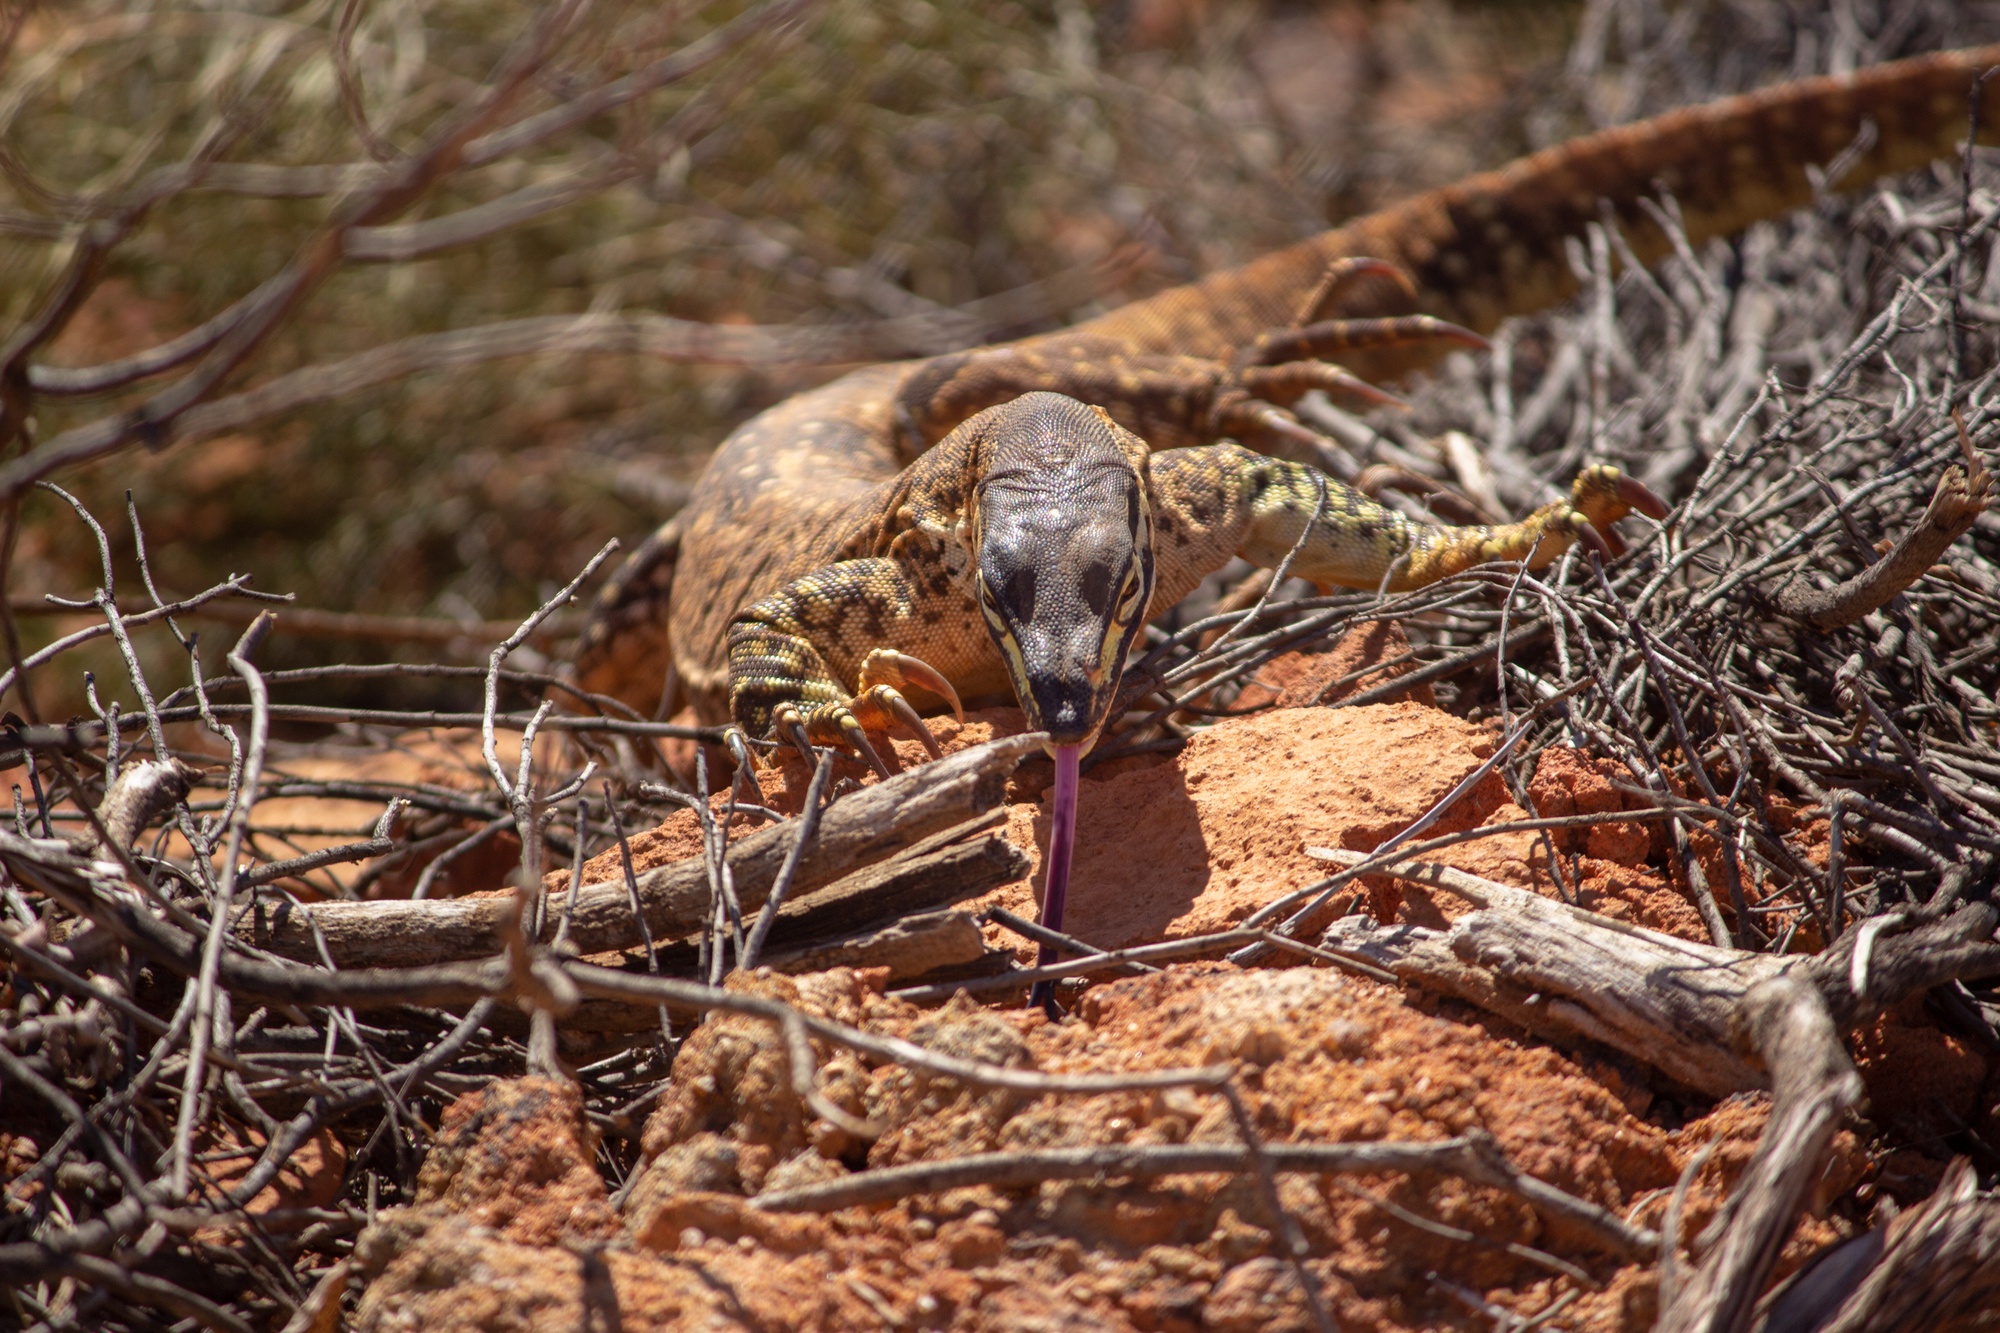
<point x="914" y="946"/>
<point x="1659" y="998"/>
<point x="885" y="915"/>
<point x="868" y="826"/>
<point x="944" y="868"/>
<point x="1718" y="1020"/>
<point x="910" y="947"/>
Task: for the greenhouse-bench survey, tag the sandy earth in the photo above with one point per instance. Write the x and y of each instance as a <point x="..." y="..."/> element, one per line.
<point x="515" y="1227"/>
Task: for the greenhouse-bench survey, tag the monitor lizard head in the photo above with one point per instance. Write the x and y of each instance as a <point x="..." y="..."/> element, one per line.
<point x="1065" y="557"/>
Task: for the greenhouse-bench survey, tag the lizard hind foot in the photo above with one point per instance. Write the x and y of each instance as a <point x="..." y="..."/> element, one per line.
<point x="1356" y="285"/>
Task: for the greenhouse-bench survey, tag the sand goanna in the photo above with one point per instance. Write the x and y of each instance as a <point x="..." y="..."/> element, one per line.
<point x="1003" y="521"/>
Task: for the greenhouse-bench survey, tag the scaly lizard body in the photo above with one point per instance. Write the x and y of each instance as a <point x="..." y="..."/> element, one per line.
<point x="860" y="516"/>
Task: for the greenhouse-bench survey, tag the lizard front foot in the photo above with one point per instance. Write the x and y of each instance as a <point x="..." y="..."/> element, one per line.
<point x="1598" y="498"/>
<point x="877" y="705"/>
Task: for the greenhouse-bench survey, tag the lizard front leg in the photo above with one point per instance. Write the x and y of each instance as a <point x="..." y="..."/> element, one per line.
<point x="821" y="660"/>
<point x="1225" y="500"/>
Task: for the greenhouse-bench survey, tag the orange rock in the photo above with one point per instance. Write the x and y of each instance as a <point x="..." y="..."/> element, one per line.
<point x="1302" y="679"/>
<point x="518" y="1157"/>
<point x="1196" y="844"/>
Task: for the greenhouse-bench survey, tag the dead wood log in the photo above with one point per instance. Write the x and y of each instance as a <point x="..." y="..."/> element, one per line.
<point x="1562" y="971"/>
<point x="910" y="947"/>
<point x="914" y="946"/>
<point x="884" y="915"/>
<point x="1717" y="1019"/>
<point x="1813" y="1086"/>
<point x="865" y="827"/>
<point x="944" y="868"/>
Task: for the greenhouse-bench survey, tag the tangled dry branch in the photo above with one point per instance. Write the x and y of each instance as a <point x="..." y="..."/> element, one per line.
<point x="1814" y="635"/>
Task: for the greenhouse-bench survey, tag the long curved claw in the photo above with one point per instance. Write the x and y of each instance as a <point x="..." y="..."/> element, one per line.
<point x="886" y="666"/>
<point x="1289" y="382"/>
<point x="1588" y="537"/>
<point x="786" y="722"/>
<point x="1639" y="497"/>
<point x="1341" y="276"/>
<point x="907" y="715"/>
<point x="1249" y="418"/>
<point x="858" y="738"/>
<point x="1333" y="336"/>
<point x="746" y="766"/>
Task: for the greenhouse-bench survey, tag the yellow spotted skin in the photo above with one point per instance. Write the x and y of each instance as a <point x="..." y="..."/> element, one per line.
<point x="847" y="519"/>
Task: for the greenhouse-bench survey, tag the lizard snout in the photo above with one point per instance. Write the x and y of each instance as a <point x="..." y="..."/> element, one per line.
<point x="1067" y="706"/>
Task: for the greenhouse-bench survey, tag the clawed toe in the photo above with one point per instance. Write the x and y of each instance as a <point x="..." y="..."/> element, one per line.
<point x="1639" y="497"/>
<point x="1343" y="276"/>
<point x="876" y="705"/>
<point x="1331" y="337"/>
<point x="1251" y="420"/>
<point x="887" y="667"/>
<point x="746" y="766"/>
<point x="1291" y="381"/>
<point x="787" y="723"/>
<point x="907" y="715"/>
<point x="1588" y="537"/>
<point x="857" y="736"/>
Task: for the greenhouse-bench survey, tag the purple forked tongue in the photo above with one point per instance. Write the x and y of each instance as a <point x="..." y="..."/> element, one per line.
<point x="1055" y="891"/>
